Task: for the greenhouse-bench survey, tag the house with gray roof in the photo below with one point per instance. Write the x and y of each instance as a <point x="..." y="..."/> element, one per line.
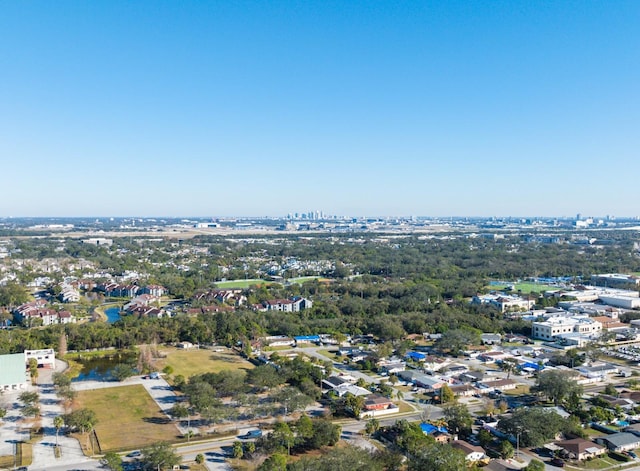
<point x="622" y="441"/>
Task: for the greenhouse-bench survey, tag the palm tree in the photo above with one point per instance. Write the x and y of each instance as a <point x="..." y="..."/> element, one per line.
<point x="58" y="423"/>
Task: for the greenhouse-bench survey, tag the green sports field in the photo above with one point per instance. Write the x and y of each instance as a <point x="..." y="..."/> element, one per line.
<point x="524" y="287"/>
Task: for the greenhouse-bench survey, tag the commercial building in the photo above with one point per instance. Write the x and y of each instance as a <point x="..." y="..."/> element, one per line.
<point x="46" y="358"/>
<point x="554" y="326"/>
<point x="13" y="372"/>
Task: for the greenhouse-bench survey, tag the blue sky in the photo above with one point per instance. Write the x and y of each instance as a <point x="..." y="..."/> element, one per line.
<point x="350" y="107"/>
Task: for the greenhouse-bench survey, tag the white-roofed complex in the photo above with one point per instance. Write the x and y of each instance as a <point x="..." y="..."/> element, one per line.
<point x="554" y="326"/>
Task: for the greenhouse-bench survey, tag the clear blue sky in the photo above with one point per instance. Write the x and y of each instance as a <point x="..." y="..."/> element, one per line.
<point x="157" y="108"/>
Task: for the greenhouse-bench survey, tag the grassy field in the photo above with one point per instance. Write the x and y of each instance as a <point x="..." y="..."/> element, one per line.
<point x="242" y="283"/>
<point x="128" y="418"/>
<point x="304" y="279"/>
<point x="197" y="361"/>
<point x="521" y="389"/>
<point x="257" y="281"/>
<point x="524" y="287"/>
<point x="332" y="355"/>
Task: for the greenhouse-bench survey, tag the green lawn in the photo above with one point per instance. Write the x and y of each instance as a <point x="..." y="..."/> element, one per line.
<point x="332" y="355"/>
<point x="304" y="279"/>
<point x="257" y="281"/>
<point x="242" y="283"/>
<point x="197" y="361"/>
<point x="521" y="389"/>
<point x="598" y="463"/>
<point x="524" y="287"/>
<point x="128" y="418"/>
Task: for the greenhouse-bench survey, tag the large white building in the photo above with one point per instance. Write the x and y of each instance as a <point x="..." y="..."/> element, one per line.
<point x="46" y="358"/>
<point x="13" y="372"/>
<point x="615" y="280"/>
<point x="504" y="302"/>
<point x="626" y="302"/>
<point x="554" y="327"/>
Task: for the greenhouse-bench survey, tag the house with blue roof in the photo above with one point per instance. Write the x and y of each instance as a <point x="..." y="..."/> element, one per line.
<point x="440" y="433"/>
<point x="416" y="356"/>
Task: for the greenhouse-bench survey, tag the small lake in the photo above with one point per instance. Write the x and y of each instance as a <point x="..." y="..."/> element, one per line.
<point x="113" y="314"/>
<point x="99" y="369"/>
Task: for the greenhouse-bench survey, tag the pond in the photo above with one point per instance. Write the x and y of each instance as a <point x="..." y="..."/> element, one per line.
<point x="100" y="368"/>
<point x="113" y="314"/>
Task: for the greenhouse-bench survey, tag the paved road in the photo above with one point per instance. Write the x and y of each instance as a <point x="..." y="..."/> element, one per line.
<point x="43" y="452"/>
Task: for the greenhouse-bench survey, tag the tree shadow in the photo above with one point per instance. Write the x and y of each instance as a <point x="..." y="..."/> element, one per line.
<point x="157" y="420"/>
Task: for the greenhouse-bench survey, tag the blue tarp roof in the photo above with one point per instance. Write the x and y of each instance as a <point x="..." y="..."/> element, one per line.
<point x="416" y="355"/>
<point x="429" y="429"/>
<point x="535" y="366"/>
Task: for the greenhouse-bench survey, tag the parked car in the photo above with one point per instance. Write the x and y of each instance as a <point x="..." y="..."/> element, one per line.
<point x="252" y="434"/>
<point x="633" y="455"/>
<point x="557" y="462"/>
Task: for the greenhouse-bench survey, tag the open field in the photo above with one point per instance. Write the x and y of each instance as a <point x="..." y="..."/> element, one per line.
<point x="128" y="418"/>
<point x="257" y="281"/>
<point x="524" y="287"/>
<point x="197" y="361"/>
<point x="242" y="283"/>
<point x="521" y="389"/>
<point x="304" y="279"/>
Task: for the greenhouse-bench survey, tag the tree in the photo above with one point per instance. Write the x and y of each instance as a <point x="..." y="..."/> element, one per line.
<point x="440" y="457"/>
<point x="283" y="436"/>
<point x="160" y="456"/>
<point x="121" y="371"/>
<point x="29" y="397"/>
<point x="179" y="412"/>
<point x="533" y="426"/>
<point x="112" y="461"/>
<point x="446" y="394"/>
<point x="238" y="450"/>
<point x="509" y="365"/>
<point x="250" y="448"/>
<point x="489" y="406"/>
<point x="557" y="385"/>
<point x="534" y="465"/>
<point x="325" y="433"/>
<point x="348" y="458"/>
<point x="61" y="380"/>
<point x="264" y="377"/>
<point x="200" y="458"/>
<point x="458" y="419"/>
<point x="457" y="340"/>
<point x="33" y="370"/>
<point x="62" y="345"/>
<point x="354" y="404"/>
<point x="292" y="399"/>
<point x="304" y="428"/>
<point x="83" y="420"/>
<point x="506" y="449"/>
<point x="611" y="390"/>
<point x="13" y="294"/>
<point x="485" y="438"/>
<point x="275" y="462"/>
<point x="372" y="426"/>
<point x="58" y="423"/>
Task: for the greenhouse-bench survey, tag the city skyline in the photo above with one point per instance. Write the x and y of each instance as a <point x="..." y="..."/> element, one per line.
<point x="387" y="109"/>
